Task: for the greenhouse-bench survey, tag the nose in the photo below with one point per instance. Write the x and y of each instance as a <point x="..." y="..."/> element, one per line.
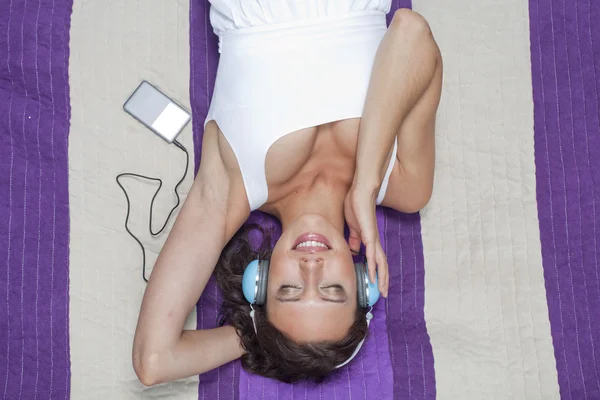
<point x="311" y="262"/>
<point x="311" y="269"/>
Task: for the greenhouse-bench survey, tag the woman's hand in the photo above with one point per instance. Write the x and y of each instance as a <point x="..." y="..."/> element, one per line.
<point x="359" y="209"/>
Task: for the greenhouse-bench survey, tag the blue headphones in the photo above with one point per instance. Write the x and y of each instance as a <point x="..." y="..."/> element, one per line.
<point x="254" y="286"/>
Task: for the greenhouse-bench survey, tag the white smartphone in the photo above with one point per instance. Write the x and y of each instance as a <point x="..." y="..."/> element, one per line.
<point x="157" y="112"/>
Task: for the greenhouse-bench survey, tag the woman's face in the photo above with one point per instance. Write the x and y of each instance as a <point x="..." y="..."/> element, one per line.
<point x="311" y="294"/>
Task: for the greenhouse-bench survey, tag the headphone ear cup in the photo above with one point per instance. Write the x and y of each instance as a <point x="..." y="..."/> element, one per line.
<point x="361" y="286"/>
<point x="372" y="289"/>
<point x="249" y="281"/>
<point x="263" y="277"/>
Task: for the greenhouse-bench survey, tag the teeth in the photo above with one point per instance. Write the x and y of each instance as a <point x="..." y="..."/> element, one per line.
<point x="312" y="243"/>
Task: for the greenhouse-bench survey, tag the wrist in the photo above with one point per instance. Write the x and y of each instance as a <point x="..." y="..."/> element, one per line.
<point x="366" y="186"/>
<point x="369" y="181"/>
<point x="371" y="167"/>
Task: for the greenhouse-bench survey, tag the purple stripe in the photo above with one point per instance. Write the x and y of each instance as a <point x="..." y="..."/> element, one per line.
<point x="565" y="57"/>
<point x="409" y="344"/>
<point x="221" y="383"/>
<point x="34" y="200"/>
<point x="204" y="57"/>
<point x="369" y="377"/>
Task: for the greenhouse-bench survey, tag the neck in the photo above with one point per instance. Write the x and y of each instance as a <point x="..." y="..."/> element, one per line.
<point x="322" y="198"/>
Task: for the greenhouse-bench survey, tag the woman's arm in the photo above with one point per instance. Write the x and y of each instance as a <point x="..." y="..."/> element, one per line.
<point x="401" y="104"/>
<point x="162" y="351"/>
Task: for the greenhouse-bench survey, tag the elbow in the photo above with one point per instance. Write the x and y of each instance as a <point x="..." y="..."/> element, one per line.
<point x="413" y="208"/>
<point x="417" y="203"/>
<point x="147" y="367"/>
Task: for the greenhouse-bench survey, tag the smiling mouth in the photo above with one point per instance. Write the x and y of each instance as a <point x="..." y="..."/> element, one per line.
<point x="311" y="243"/>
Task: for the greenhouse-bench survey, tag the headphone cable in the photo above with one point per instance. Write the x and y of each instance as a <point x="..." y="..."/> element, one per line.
<point x="160" y="183"/>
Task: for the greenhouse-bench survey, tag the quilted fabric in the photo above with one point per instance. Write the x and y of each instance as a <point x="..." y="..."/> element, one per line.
<point x="495" y="288"/>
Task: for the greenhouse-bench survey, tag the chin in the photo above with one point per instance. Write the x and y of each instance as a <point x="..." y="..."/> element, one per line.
<point x="313" y="219"/>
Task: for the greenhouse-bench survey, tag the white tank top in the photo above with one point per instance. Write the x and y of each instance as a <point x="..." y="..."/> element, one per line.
<point x="286" y="65"/>
<point x="226" y="15"/>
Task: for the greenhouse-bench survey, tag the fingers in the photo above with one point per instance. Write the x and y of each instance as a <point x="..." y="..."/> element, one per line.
<point x="371" y="263"/>
<point x="354" y="241"/>
<point x="362" y="222"/>
<point x="378" y="266"/>
<point x="354" y="237"/>
<point x="382" y="271"/>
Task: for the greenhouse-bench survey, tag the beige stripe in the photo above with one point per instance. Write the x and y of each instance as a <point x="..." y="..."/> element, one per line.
<point x="114" y="45"/>
<point x="485" y="302"/>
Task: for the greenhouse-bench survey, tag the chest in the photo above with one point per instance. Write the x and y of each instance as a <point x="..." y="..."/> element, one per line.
<point x="325" y="151"/>
<point x="295" y="161"/>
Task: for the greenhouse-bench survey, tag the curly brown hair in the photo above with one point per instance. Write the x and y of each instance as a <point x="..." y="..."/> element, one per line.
<point x="271" y="353"/>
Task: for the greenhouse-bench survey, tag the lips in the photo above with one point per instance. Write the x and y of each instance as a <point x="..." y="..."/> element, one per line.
<point x="311" y="243"/>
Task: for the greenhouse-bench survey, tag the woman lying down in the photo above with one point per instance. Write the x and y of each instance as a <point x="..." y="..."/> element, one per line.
<point x="320" y="113"/>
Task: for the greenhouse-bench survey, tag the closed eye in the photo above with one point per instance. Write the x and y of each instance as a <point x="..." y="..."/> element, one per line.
<point x="288" y="287"/>
<point x="335" y="292"/>
<point x="287" y="290"/>
<point x="287" y="293"/>
<point x="291" y="293"/>
<point x="336" y="286"/>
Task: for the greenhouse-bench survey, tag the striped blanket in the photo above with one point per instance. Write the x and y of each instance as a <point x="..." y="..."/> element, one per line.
<point x="495" y="286"/>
